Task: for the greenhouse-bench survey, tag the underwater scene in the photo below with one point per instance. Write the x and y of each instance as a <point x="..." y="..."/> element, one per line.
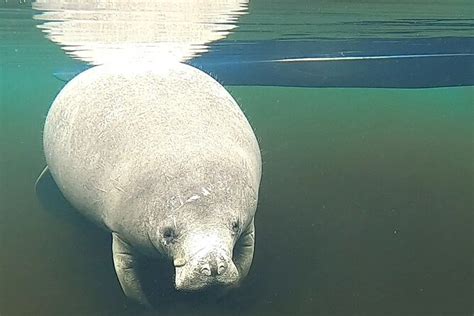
<point x="363" y="112"/>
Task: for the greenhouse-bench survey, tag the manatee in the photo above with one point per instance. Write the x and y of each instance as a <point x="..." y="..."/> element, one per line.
<point x="161" y="156"/>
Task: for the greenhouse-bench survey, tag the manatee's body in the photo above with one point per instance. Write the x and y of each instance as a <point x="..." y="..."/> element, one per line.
<point x="163" y="157"/>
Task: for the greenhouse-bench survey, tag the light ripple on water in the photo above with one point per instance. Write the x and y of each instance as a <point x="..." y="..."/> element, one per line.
<point x="108" y="31"/>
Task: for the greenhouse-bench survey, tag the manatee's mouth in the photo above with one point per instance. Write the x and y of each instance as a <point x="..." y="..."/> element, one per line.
<point x="195" y="284"/>
<point x="214" y="270"/>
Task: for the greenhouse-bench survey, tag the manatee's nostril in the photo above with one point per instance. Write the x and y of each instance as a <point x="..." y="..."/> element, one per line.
<point x="214" y="266"/>
<point x="206" y="270"/>
<point x="221" y="268"/>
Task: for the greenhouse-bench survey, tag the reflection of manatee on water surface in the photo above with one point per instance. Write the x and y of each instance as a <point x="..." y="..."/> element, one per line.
<point x="106" y="31"/>
<point x="162" y="157"/>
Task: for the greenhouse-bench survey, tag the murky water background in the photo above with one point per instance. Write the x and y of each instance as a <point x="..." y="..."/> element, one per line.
<point x="366" y="203"/>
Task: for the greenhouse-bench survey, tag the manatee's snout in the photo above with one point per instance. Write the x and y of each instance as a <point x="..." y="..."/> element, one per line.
<point x="214" y="268"/>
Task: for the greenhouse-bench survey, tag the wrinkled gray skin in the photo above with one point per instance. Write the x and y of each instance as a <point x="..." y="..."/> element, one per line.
<point x="163" y="157"/>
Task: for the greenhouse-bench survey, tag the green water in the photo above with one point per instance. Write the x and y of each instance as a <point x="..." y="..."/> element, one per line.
<point x="366" y="203"/>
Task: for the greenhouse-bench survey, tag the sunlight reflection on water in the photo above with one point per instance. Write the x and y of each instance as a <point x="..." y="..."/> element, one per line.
<point x="109" y="31"/>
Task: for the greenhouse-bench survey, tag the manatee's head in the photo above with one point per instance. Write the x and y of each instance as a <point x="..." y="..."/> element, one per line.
<point x="200" y="244"/>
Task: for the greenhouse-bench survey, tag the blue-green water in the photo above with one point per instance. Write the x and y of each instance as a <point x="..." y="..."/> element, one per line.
<point x="366" y="204"/>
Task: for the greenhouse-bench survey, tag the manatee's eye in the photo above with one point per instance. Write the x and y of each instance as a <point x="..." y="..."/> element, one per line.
<point x="169" y="235"/>
<point x="235" y="226"/>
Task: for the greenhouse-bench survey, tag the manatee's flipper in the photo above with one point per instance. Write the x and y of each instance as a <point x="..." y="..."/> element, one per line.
<point x="243" y="252"/>
<point x="46" y="188"/>
<point x="126" y="266"/>
<point x="50" y="197"/>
